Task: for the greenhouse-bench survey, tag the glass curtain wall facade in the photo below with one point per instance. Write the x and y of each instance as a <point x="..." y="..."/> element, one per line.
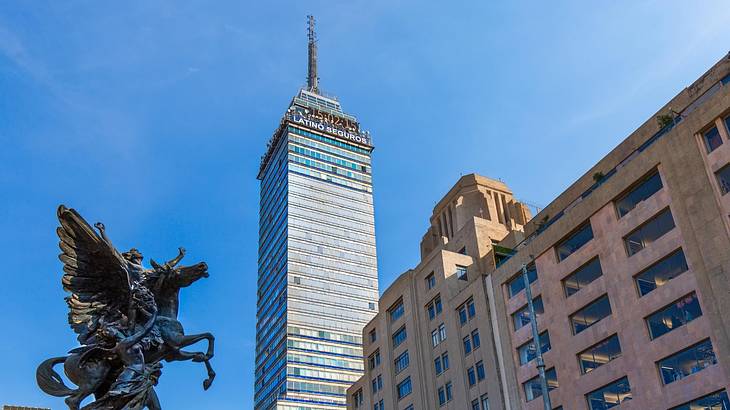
<point x="317" y="278"/>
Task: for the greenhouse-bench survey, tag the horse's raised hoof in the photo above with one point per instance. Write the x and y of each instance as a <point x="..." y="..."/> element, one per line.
<point x="207" y="383"/>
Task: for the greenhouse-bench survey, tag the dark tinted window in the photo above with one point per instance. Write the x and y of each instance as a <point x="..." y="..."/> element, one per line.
<point x="650" y="231"/>
<point x="714" y="401"/>
<point x="522" y="316"/>
<point x="661" y="272"/>
<point x="712" y="139"/>
<point x="599" y="354"/>
<point x="644" y="190"/>
<point x="517" y="284"/>
<point x="527" y="351"/>
<point x="532" y="386"/>
<point x="723" y="179"/>
<point x="582" y="277"/>
<point x="688" y="361"/>
<point x="673" y="316"/>
<point x="396" y="311"/>
<point x="610" y="395"/>
<point x="591" y="314"/>
<point x="566" y="247"/>
<point x="399" y="336"/>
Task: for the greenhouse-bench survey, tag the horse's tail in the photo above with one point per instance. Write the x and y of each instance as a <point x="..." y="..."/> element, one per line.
<point x="51" y="382"/>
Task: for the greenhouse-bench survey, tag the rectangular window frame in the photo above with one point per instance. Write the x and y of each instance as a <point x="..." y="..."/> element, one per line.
<point x="581" y="229"/>
<point x="633" y="188"/>
<point x="578" y="271"/>
<point x="655" y="265"/>
<point x="585" y="370"/>
<point x="629" y="250"/>
<point x="590" y="304"/>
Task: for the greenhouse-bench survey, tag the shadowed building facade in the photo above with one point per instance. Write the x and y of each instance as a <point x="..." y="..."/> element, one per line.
<point x="629" y="273"/>
<point x="317" y="278"/>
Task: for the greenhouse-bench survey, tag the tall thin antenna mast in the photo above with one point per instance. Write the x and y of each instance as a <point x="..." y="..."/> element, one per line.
<point x="312" y="79"/>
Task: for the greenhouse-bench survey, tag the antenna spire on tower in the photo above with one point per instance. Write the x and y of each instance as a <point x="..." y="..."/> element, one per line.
<point x="312" y="79"/>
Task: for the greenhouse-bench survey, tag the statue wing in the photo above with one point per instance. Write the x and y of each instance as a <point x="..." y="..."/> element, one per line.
<point x="95" y="273"/>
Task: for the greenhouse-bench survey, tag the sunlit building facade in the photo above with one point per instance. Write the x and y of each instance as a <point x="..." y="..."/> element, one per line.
<point x="628" y="270"/>
<point x="317" y="280"/>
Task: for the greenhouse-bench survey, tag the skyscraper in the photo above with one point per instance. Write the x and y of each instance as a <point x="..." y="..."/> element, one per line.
<point x="317" y="276"/>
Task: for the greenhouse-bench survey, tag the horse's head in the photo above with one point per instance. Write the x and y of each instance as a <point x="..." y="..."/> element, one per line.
<point x="169" y="275"/>
<point x="189" y="274"/>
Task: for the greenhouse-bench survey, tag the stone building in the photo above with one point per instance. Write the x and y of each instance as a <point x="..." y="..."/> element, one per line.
<point x="414" y="347"/>
<point x="628" y="271"/>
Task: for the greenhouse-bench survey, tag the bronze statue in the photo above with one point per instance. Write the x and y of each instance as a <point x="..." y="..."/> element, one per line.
<point x="125" y="316"/>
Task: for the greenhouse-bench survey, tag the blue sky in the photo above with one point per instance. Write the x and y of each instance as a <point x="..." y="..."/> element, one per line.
<point x="151" y="116"/>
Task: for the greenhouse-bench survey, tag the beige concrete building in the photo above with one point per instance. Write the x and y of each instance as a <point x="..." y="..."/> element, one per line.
<point x="629" y="272"/>
<point x="415" y="347"/>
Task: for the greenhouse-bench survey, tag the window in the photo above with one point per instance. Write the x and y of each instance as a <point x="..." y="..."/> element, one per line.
<point x="485" y="402"/>
<point x="712" y="139"/>
<point x="442" y="396"/>
<point x="461" y="272"/>
<point x="471" y="376"/>
<point x="480" y="370"/>
<point x="377" y="384"/>
<point x="661" y="272"/>
<point x="445" y="360"/>
<point x="379" y="405"/>
<point x="373" y="336"/>
<point x="610" y="395"/>
<point x="463" y="318"/>
<point x="430" y="281"/>
<point x="517" y="284"/>
<point x="462" y="250"/>
<point x="396" y="311"/>
<point x="409" y="407"/>
<point x="582" y="276"/>
<point x="357" y="399"/>
<point x="374" y="360"/>
<point x="371" y="305"/>
<point x="527" y="351"/>
<point x="714" y="401"/>
<point x="679" y="313"/>
<point x="575" y="241"/>
<point x="644" y="190"/>
<point x="401" y="362"/>
<point x="404" y="388"/>
<point x="599" y="354"/>
<point x="590" y="314"/>
<point x="467" y="345"/>
<point x="650" y="231"/>
<point x="449" y="394"/>
<point x="466" y="311"/>
<point x="438" y="335"/>
<point x="522" y="317"/>
<point x="399" y="336"/>
<point x="723" y="179"/>
<point x="475" y="341"/>
<point x="437" y="365"/>
<point x="688" y="361"/>
<point x="434" y="307"/>
<point x="532" y="387"/>
<point x="475" y="404"/>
